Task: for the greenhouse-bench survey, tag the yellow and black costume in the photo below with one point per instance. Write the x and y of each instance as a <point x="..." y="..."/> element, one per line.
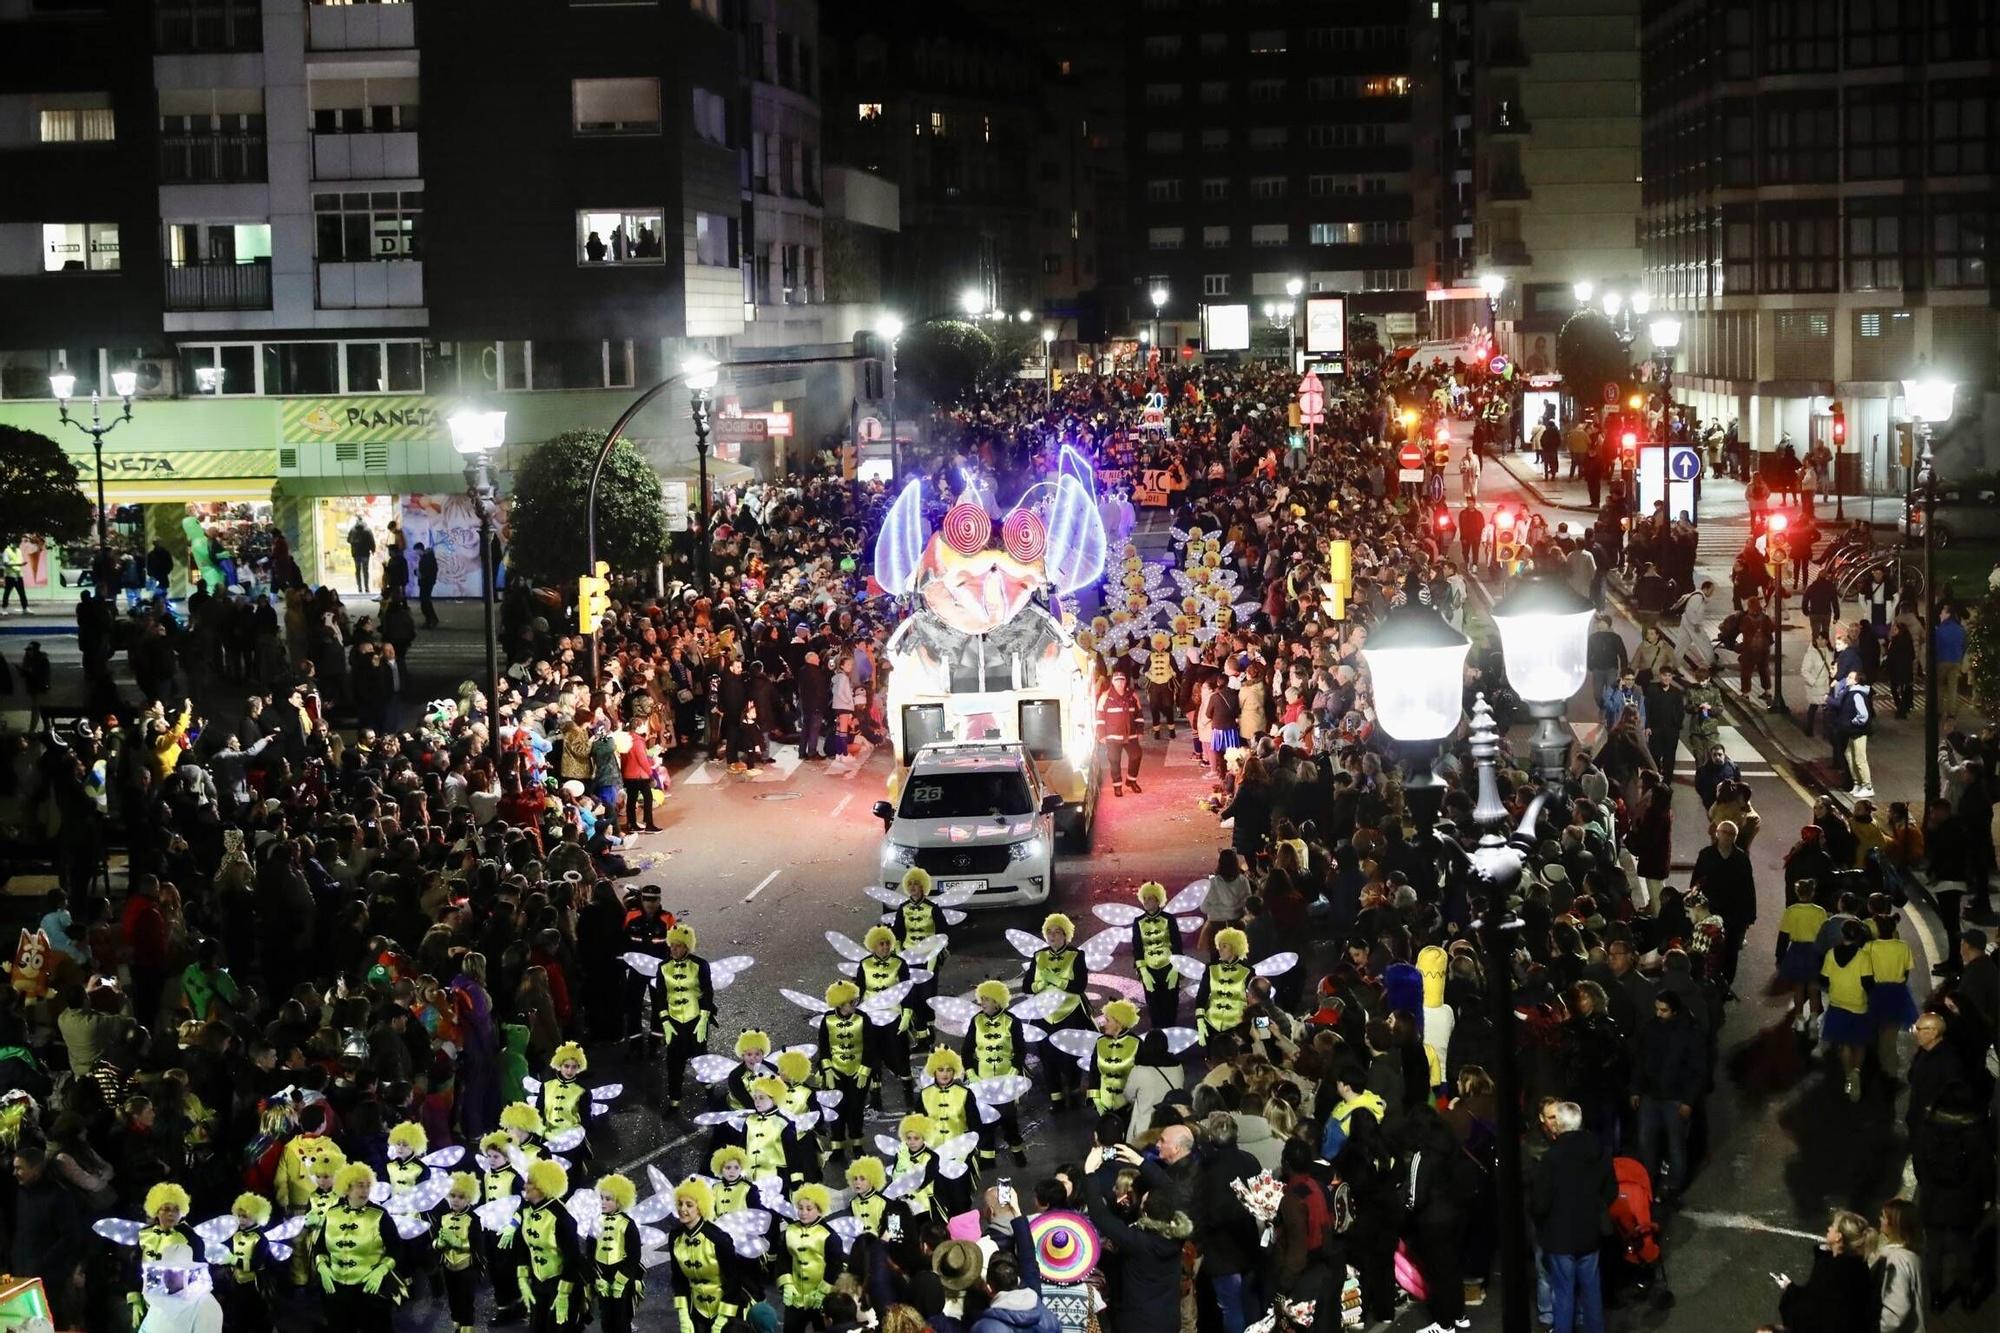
<point x="849" y="1055"/>
<point x="455" y="1245"/>
<point x="615" y="1253"/>
<point x="1224" y="995"/>
<point x="1061" y="968"/>
<point x="995" y="1047"/>
<point x="1113" y="1056"/>
<point x="360" y="1259"/>
<point x="1156" y="938"/>
<point x="557" y="1268"/>
<point x="883" y="970"/>
<point x="710" y="1288"/>
<point x="682" y="1003"/>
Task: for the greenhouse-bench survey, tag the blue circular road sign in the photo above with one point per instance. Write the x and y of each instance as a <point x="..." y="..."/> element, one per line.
<point x="1684" y="464"/>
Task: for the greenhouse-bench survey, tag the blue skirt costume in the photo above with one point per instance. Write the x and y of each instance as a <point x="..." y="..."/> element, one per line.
<point x="1891" y="1005"/>
<point x="1800" y="965"/>
<point x="1845" y="1027"/>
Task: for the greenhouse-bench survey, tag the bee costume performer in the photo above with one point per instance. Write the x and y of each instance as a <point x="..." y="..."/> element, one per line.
<point x="556" y="1267"/>
<point x="360" y="1256"/>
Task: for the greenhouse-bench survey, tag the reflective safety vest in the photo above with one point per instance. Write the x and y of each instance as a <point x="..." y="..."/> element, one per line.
<point x="453" y="1237"/>
<point x="1113" y="1059"/>
<point x="353" y="1241"/>
<point x="950" y="1108"/>
<point x="1054" y="971"/>
<point x="994" y="1052"/>
<point x="562" y="1103"/>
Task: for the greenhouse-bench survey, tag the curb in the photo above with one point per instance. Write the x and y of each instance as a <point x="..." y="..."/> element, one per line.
<point x="1541" y="496"/>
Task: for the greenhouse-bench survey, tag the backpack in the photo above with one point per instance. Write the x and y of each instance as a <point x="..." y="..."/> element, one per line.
<point x="1339" y="1208"/>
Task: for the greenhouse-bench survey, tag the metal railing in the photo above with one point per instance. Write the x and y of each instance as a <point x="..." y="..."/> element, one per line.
<point x="209" y="25"/>
<point x="219" y="284"/>
<point x="205" y="158"/>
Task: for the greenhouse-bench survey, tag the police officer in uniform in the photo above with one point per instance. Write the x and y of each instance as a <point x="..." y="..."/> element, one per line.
<point x="1056" y="966"/>
<point x="1119" y="724"/>
<point x="847" y="1060"/>
<point x="645" y="927"/>
<point x="995" y="1047"/>
<point x="683" y="1007"/>
<point x="1156" y="938"/>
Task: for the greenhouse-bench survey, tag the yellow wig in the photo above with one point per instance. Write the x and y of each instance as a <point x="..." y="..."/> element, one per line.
<point x="722" y="1157"/>
<point x="683" y="936"/>
<point x="354" y="1173"/>
<point x="521" y="1116"/>
<point x="549" y="1178"/>
<point x="166" y="1194"/>
<point x="619" y="1189"/>
<point x="409" y="1135"/>
<point x="1057" y="921"/>
<point x="252" y="1210"/>
<point x="996" y="991"/>
<point x="842" y="992"/>
<point x="569" y="1050"/>
<point x="941" y="1060"/>
<point x="695" y="1190"/>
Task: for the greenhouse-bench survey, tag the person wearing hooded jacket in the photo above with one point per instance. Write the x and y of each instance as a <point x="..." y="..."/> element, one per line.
<point x="1225" y="1232"/>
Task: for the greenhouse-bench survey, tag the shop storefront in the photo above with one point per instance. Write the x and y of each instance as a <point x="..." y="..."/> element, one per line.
<point x="387" y="462"/>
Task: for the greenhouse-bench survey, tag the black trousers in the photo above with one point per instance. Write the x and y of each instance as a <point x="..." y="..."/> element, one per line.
<point x="461" y="1294"/>
<point x="1125" y="752"/>
<point x="638" y="793"/>
<point x="349" y="1307"/>
<point x="845" y="1132"/>
<point x="1007" y="1127"/>
<point x="682" y="1047"/>
<point x="1163" y="706"/>
<point x="1435" y="1248"/>
<point x="1163" y="997"/>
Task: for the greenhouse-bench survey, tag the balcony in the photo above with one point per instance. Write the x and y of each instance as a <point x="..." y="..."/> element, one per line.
<point x="208" y="159"/>
<point x="349" y="157"/>
<point x="385" y="284"/>
<point x="219" y="285"/>
<point x="189" y="26"/>
<point x="366" y="27"/>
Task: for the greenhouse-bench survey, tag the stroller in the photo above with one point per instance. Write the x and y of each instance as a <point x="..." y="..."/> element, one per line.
<point x="1633" y="1265"/>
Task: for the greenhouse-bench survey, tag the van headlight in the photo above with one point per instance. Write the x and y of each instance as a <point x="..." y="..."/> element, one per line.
<point x="898" y="855"/>
<point x="1028" y="849"/>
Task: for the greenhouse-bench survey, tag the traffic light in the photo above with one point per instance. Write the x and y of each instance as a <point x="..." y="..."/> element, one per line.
<point x="1443" y="519"/>
<point x="870" y="351"/>
<point x="1503" y="536"/>
<point x="593" y="598"/>
<point x="1839" y="426"/>
<point x="1055" y="380"/>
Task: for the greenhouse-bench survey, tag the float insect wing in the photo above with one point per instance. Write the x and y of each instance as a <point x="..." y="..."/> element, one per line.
<point x="885" y="895"/>
<point x="1188" y="967"/>
<point x="812" y="1004"/>
<point x="584" y="1210"/>
<point x="804" y="1121"/>
<point x="645" y="964"/>
<point x="661" y="1185"/>
<point x="1098" y="949"/>
<point x="828" y="1099"/>
<point x="752" y="1247"/>
<point x="652" y="1247"/>
<point x="953" y="917"/>
<point x="1024" y="944"/>
<point x="899" y="546"/>
<point x="423" y="1197"/>
<point x="531" y="1086"/>
<point x="1179" y="1039"/>
<point x="999" y="1090"/>
<point x="286" y="1229"/>
<point x="1277" y="965"/>
<point x="1072" y="463"/>
<point x="651" y="1208"/>
<point x="1189" y="925"/>
<point x="1029" y="1032"/>
<point x="952" y="1169"/>
<point x="921" y="953"/>
<point x="921" y="976"/>
<point x="847" y="1228"/>
<point x="723" y="972"/>
<point x="1188" y="899"/>
<point x="381" y="1193"/>
<point x="1075" y="557"/>
<point x="217" y="1229"/>
<point x="711" y="1068"/>
<point x="734" y="1119"/>
<point x="411" y="1225"/>
<point x="954" y="895"/>
<point x="886" y="1144"/>
<point x="279" y="1251"/>
<point x="845" y="946"/>
<point x="566" y="1141"/>
<point x="959" y="1148"/>
<point x="1115" y="914"/>
<point x="445" y="1158"/>
<point x="890" y="1000"/>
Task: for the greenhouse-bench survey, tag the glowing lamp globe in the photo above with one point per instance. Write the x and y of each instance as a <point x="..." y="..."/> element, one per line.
<point x="1544" y="636"/>
<point x="1929" y="399"/>
<point x="1417" y="665"/>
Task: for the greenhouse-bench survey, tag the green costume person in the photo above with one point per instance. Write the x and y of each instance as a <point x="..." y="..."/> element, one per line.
<point x="1058" y="967"/>
<point x="995" y="1046"/>
<point x="1224" y="996"/>
<point x="709" y="1287"/>
<point x="915" y="921"/>
<point x="166" y="1210"/>
<point x="1113" y="1056"/>
<point x="848" y="1052"/>
<point x="683" y="1007"/>
<point x="360" y="1253"/>
<point x="809" y="1253"/>
<point x="883" y="969"/>
<point x="616" y="1255"/>
<point x="1156" y="938"/>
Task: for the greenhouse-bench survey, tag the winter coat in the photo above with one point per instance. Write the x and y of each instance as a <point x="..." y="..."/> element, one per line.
<point x="1570" y="1195"/>
<point x="1149" y="1279"/>
<point x="1839" y="1297"/>
<point x="1671" y="1060"/>
<point x="1900" y="1277"/>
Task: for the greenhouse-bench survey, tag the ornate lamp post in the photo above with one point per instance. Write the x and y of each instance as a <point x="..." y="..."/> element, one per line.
<point x="1929" y="401"/>
<point x="1544" y="638"/>
<point x="63" y="385"/>
<point x="699" y="373"/>
<point x="477" y="435"/>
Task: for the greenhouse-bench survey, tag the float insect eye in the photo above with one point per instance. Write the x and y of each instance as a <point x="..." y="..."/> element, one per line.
<point x="1024" y="536"/>
<point x="966" y="528"/>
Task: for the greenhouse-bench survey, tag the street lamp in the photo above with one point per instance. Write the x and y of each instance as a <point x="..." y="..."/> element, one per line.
<point x="1048" y="366"/>
<point x="1642" y="302"/>
<point x="1612" y="303"/>
<point x="699" y="373"/>
<point x="477" y="435"/>
<point x="1544" y="629"/>
<point x="63" y="385"/>
<point x="1582" y="288"/>
<point x="1159" y="295"/>
<point x="890" y="328"/>
<point x="1027" y="316"/>
<point x="1929" y="401"/>
<point x="1416" y="662"/>
<point x="1775" y="543"/>
<point x="973" y="301"/>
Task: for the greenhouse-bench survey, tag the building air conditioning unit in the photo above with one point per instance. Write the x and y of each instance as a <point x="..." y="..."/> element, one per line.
<point x="158" y="376"/>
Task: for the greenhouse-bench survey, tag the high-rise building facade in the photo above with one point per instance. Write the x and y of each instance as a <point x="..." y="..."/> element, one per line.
<point x="1270" y="143"/>
<point x="1818" y="196"/>
<point x="314" y="228"/>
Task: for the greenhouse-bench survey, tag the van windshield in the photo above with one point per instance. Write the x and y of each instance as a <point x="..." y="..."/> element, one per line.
<point x="965" y="796"/>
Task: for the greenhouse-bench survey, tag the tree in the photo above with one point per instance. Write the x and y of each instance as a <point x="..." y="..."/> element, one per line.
<point x="1590" y="356"/>
<point x="44" y="490"/>
<point x="546" y="510"/>
<point x="942" y="359"/>
<point x="1982" y="652"/>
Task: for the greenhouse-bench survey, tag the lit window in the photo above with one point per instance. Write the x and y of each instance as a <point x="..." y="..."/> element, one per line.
<point x="937" y="123"/>
<point x="360" y="225"/>
<point x="620" y="236"/>
<point x="80" y="118"/>
<point x="1215" y="284"/>
<point x="76" y="247"/>
<point x="870" y="111"/>
<point x="619" y="106"/>
<point x="715" y="240"/>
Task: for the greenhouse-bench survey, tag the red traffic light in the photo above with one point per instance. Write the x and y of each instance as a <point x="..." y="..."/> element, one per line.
<point x="1444" y="520"/>
<point x="1779" y="522"/>
<point x="1630" y="439"/>
<point x="1503" y="519"/>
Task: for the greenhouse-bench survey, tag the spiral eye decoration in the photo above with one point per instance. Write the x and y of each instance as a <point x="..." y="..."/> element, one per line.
<point x="1024" y="536"/>
<point x="966" y="528"/>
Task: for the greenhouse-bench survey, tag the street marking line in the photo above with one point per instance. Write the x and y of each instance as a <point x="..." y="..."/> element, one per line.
<point x="662" y="1150"/>
<point x="841" y="804"/>
<point x="761" y="886"/>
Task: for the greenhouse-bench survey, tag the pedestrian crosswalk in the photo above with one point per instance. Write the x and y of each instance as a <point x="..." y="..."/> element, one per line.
<point x="708" y="772"/>
<point x="1740" y="749"/>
